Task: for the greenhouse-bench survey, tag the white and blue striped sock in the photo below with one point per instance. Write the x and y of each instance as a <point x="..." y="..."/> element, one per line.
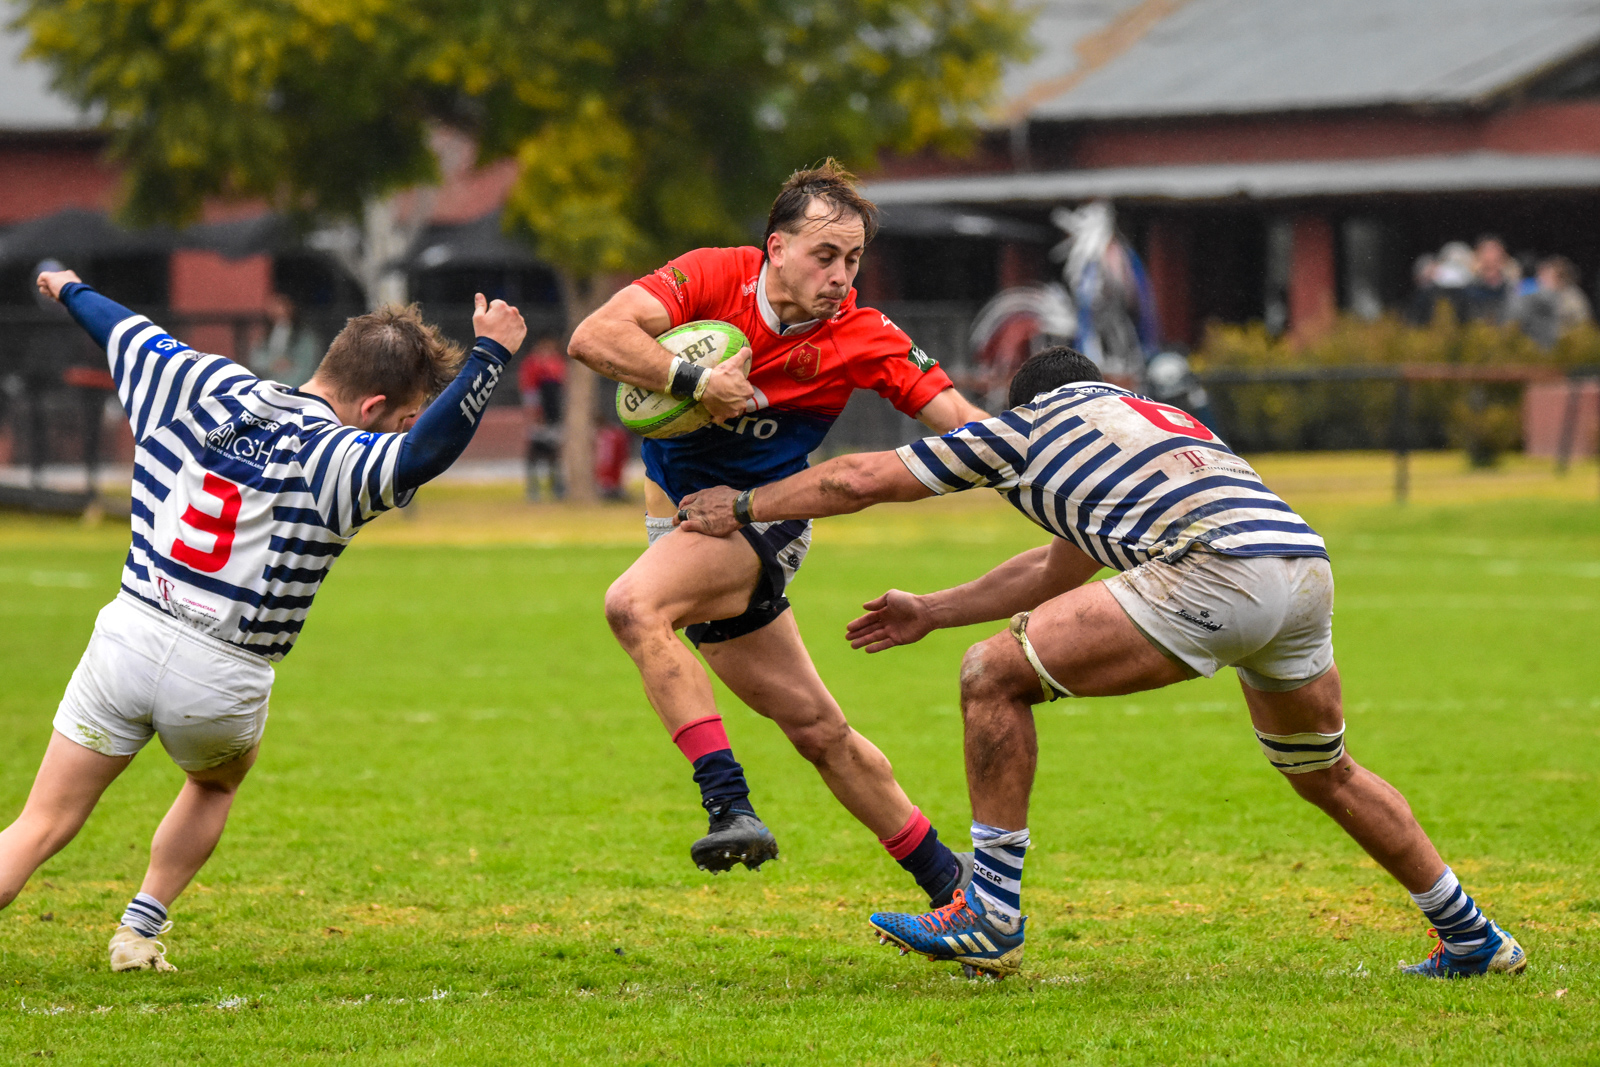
<point x="1461" y="926"/>
<point x="146" y="915"/>
<point x="997" y="870"/>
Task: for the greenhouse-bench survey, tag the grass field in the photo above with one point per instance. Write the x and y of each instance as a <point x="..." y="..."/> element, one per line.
<point x="466" y="839"/>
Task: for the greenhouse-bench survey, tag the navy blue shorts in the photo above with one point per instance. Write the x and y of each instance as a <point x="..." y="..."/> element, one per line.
<point x="781" y="547"/>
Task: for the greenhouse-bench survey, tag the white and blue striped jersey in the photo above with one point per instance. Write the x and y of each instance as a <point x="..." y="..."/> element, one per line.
<point x="1122" y="477"/>
<point x="244" y="491"/>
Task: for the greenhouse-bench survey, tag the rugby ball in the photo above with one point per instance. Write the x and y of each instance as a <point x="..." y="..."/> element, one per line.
<point x="650" y="414"/>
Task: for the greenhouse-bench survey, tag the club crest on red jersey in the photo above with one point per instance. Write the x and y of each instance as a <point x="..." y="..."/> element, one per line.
<point x="803" y="362"/>
<point x="673" y="277"/>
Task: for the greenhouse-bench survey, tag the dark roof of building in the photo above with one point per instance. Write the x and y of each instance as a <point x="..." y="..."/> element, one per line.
<point x="1104" y="59"/>
<point x="1465" y="173"/>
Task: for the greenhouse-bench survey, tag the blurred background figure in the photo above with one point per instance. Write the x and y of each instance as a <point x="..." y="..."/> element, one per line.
<point x="1169" y="379"/>
<point x="1110" y="292"/>
<point x="612" y="448"/>
<point x="1494" y="281"/>
<point x="1019" y="322"/>
<point x="1424" y="295"/>
<point x="34" y="374"/>
<point x="1103" y="306"/>
<point x="542" y="381"/>
<point x="290" y="352"/>
<point x="1556" y="303"/>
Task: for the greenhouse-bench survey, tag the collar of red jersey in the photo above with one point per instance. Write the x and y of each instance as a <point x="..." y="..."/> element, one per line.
<point x="770" y="317"/>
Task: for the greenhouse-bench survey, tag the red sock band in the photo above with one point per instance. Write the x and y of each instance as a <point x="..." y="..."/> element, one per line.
<point x="701" y="737"/>
<point x="910" y="836"/>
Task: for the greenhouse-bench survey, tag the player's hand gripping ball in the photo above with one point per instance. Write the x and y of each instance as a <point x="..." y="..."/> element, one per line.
<point x="707" y="343"/>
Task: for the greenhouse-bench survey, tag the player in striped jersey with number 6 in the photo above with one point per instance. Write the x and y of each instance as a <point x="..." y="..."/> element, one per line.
<point x="1212" y="570"/>
<point x="244" y="493"/>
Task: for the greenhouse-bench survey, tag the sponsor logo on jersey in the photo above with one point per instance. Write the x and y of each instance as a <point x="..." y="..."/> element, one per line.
<point x="921" y="360"/>
<point x="673" y="277"/>
<point x="1166" y="417"/>
<point x="245" y="437"/>
<point x="803" y="362"/>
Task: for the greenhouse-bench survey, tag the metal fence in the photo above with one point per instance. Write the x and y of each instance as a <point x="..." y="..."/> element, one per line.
<point x="1401" y="408"/>
<point x="871" y="423"/>
<point x="54" y="388"/>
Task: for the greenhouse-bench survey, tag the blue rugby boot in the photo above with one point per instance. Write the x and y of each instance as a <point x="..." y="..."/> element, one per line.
<point x="960" y="931"/>
<point x="1499" y="953"/>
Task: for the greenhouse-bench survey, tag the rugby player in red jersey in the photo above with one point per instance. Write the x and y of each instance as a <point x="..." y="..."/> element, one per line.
<point x="811" y="346"/>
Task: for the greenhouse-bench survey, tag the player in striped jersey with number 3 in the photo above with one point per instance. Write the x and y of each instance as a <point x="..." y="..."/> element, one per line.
<point x="1213" y="570"/>
<point x="244" y="493"/>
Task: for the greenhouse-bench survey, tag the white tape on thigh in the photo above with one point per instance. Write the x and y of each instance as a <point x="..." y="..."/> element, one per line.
<point x="657" y="528"/>
<point x="1019" y="629"/>
<point x="1300" y="753"/>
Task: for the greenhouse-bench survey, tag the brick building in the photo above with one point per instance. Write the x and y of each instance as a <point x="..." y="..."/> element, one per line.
<point x="1270" y="159"/>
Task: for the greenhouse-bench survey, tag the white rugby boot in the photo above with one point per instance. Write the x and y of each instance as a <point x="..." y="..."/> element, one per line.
<point x="132" y="952"/>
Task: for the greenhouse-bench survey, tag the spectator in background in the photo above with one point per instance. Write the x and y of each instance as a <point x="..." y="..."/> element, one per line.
<point x="542" y="380"/>
<point x="1447" y="276"/>
<point x="1494" y="281"/>
<point x="1556" y="305"/>
<point x="613" y="447"/>
<point x="1424" y="293"/>
<point x="290" y="353"/>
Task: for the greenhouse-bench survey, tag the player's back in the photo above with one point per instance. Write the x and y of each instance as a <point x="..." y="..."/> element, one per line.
<point x="1123" y="477"/>
<point x="244" y="490"/>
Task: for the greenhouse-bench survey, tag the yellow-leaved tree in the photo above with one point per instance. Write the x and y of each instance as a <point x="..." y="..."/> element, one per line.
<point x="640" y="127"/>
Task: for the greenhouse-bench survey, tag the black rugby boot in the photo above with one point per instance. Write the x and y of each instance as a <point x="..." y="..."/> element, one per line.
<point x="735" y="836"/>
<point x="961" y="879"/>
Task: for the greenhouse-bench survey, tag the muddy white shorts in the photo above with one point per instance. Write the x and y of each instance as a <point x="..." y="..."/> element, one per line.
<point x="1270" y="617"/>
<point x="146" y="673"/>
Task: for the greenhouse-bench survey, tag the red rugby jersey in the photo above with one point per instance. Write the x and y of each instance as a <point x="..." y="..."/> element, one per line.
<point x="802" y="375"/>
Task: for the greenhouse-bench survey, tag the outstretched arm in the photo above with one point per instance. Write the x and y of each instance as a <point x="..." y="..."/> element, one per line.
<point x="837" y="487"/>
<point x="1021" y="583"/>
<point x="147" y="364"/>
<point x="445" y="427"/>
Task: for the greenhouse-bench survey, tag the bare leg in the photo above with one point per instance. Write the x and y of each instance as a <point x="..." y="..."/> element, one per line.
<point x="192" y="827"/>
<point x="1088" y="645"/>
<point x="1369" y="809"/>
<point x="70" y="781"/>
<point x="683" y="578"/>
<point x="771" y="671"/>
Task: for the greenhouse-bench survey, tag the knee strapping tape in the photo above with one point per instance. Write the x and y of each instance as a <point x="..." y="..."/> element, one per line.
<point x="1019" y="629"/>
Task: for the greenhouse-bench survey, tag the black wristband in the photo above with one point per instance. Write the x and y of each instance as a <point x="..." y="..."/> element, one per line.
<point x="685" y="377"/>
<point x="741" y="507"/>
<point x="492" y="350"/>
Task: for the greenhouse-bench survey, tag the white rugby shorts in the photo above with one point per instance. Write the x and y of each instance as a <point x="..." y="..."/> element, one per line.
<point x="1269" y="617"/>
<point x="146" y="673"/>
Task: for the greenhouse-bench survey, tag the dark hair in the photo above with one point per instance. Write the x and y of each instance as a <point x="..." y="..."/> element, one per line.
<point x="828" y="182"/>
<point x="389" y="352"/>
<point x="1565" y="269"/>
<point x="1049" y="370"/>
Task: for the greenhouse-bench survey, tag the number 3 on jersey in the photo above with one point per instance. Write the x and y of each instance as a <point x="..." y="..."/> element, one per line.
<point x="219" y="526"/>
<point x="1168" y="418"/>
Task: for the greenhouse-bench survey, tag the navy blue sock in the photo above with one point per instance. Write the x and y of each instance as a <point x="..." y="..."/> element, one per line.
<point x="918" y="849"/>
<point x="721" y="782"/>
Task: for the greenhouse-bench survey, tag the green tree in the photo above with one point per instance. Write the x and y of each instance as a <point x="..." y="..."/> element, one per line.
<point x="640" y="127"/>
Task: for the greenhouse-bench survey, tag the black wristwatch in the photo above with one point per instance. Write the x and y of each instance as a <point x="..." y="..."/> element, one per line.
<point x="741" y="507"/>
